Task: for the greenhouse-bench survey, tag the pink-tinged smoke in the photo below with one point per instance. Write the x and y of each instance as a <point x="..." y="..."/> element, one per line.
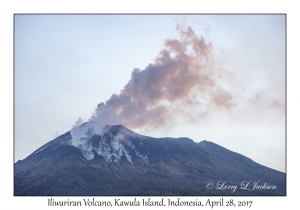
<point x="182" y="81"/>
<point x="181" y="77"/>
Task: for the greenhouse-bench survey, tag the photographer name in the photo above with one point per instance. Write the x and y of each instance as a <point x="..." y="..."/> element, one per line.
<point x="246" y="185"/>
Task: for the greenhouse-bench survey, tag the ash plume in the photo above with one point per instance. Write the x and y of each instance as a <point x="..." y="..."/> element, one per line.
<point x="181" y="79"/>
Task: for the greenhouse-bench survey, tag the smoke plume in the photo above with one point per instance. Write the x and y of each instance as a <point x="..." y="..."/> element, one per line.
<point x="181" y="79"/>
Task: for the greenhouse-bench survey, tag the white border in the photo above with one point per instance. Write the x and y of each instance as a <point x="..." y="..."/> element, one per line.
<point x="8" y="8"/>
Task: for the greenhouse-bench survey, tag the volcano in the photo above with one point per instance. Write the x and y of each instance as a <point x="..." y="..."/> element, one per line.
<point x="113" y="160"/>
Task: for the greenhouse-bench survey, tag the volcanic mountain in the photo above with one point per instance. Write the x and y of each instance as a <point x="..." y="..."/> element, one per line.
<point x="113" y="160"/>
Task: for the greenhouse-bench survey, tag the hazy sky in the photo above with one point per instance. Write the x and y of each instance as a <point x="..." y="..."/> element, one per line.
<point x="230" y="91"/>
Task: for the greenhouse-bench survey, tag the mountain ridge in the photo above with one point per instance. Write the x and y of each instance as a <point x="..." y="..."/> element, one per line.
<point x="117" y="161"/>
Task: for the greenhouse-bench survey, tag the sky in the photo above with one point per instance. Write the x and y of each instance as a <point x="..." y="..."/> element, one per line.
<point x="219" y="78"/>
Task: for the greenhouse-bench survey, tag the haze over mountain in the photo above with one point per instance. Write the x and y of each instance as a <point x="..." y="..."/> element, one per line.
<point x="92" y="159"/>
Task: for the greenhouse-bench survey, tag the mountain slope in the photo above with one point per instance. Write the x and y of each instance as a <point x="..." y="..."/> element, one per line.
<point x="245" y="165"/>
<point x="116" y="161"/>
